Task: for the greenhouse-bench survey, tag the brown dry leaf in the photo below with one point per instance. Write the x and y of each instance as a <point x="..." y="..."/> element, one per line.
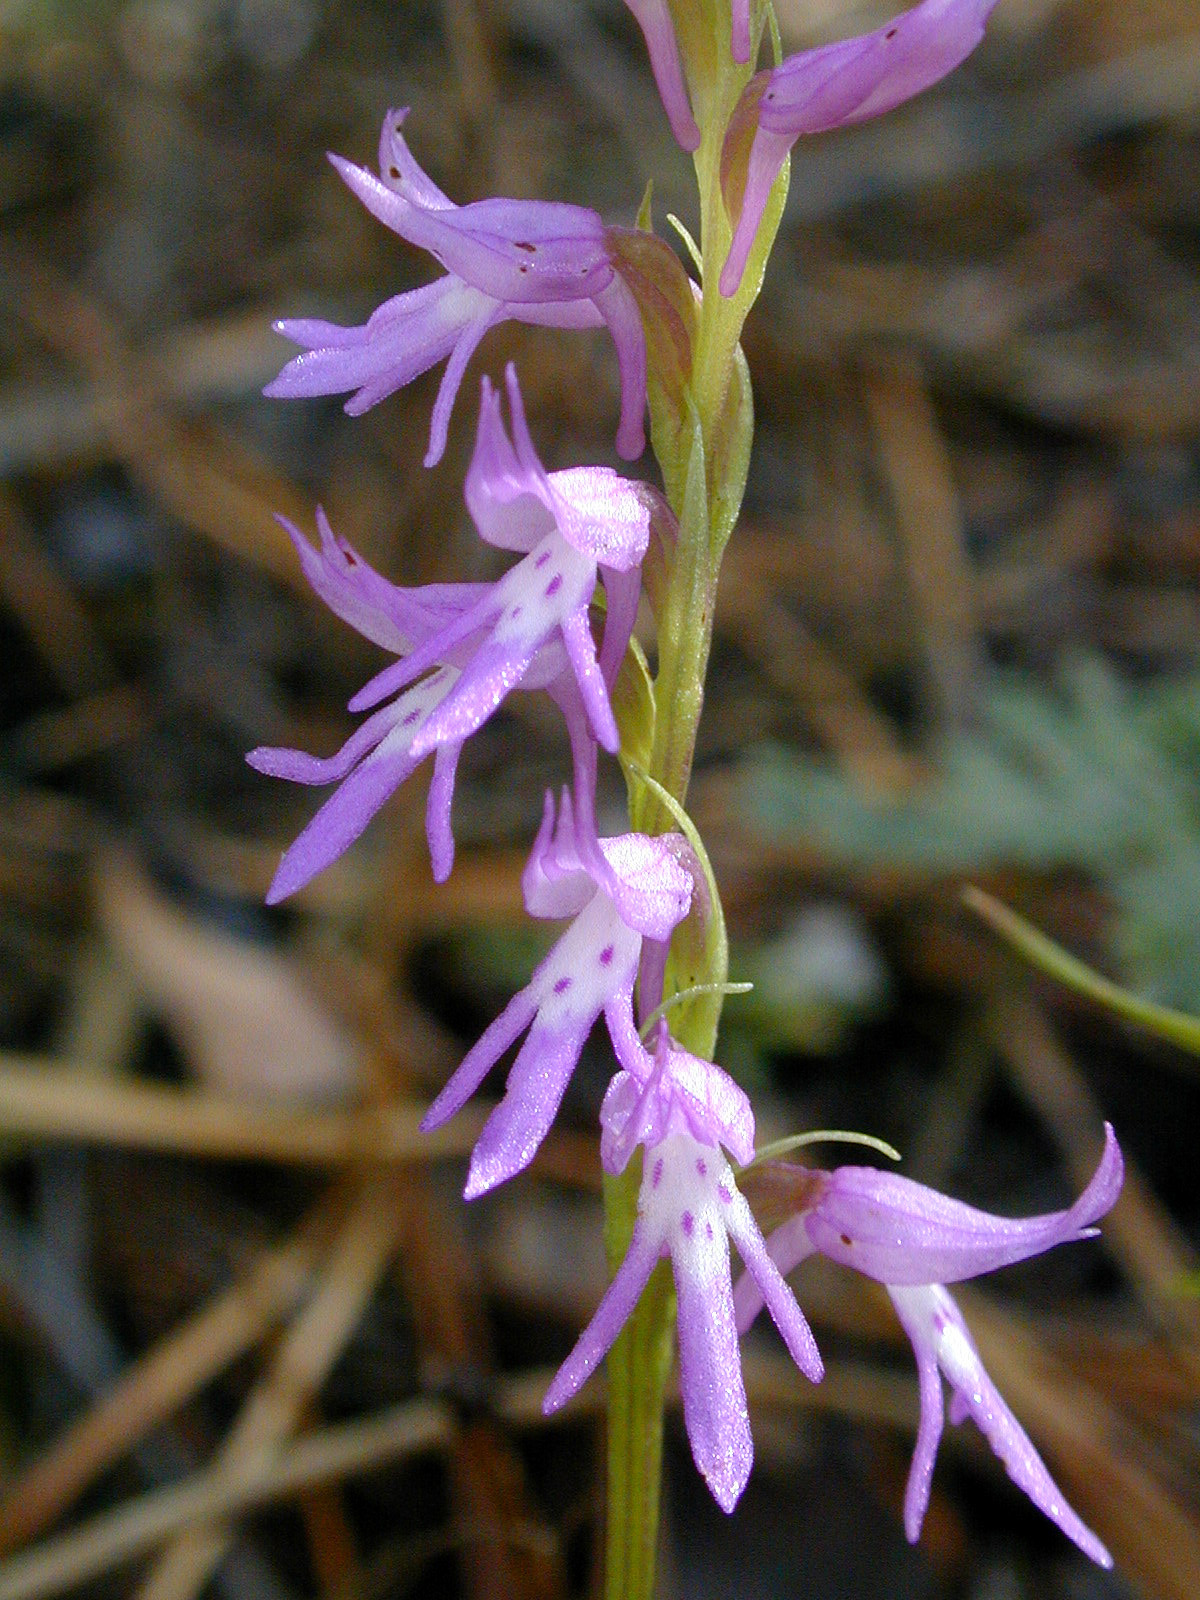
<point x="246" y="1023"/>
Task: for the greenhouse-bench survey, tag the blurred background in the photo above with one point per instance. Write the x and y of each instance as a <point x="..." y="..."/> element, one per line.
<point x="251" y="1342"/>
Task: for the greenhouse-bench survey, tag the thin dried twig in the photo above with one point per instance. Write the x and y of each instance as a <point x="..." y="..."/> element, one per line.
<point x="49" y="1098"/>
<point x="308" y="1350"/>
<point x="1101" y="1458"/>
<point x="135" y="1528"/>
<point x="162" y="1381"/>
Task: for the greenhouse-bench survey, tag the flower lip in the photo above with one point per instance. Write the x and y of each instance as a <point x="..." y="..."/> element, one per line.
<point x="943" y="1346"/>
<point x="689" y="1208"/>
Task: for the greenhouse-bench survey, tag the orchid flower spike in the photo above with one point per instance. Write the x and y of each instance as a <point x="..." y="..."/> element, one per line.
<point x="831" y="87"/>
<point x="654" y="19"/>
<point x="914" y="1240"/>
<point x="535" y="261"/>
<point x="476" y="642"/>
<point x="681" y="1110"/>
<point x="622" y="893"/>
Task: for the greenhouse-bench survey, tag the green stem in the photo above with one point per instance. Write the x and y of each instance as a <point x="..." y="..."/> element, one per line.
<point x="708" y="482"/>
<point x="639" y="1365"/>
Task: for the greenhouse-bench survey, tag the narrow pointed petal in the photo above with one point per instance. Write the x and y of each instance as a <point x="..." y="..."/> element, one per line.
<point x="710" y="1368"/>
<point x="611" y="1316"/>
<point x="787" y="1247"/>
<point x="404" y="338"/>
<point x="654" y="19"/>
<point x="297" y="766"/>
<point x="912" y="1307"/>
<point x="344" y="815"/>
<point x="550" y="887"/>
<point x="394" y="617"/>
<point x="527" y="457"/>
<point x="481" y="1058"/>
<point x="779" y="1299"/>
<point x="400" y="171"/>
<point x="622" y="1029"/>
<point x="581" y="652"/>
<point x="468" y="342"/>
<point x="506" y="496"/>
<point x="622" y="592"/>
<point x="437" y="811"/>
<point x="536" y="1084"/>
<point x="350" y="588"/>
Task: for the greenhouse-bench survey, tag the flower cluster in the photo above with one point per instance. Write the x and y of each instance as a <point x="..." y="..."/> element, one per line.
<point x="461" y="648"/>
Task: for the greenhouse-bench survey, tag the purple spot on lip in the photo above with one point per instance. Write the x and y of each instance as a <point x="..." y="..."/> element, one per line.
<point x="725" y="1192"/>
<point x="606" y="956"/>
<point x="687" y="1222"/>
<point x="541" y="561"/>
<point x="562" y="985"/>
<point x="708" y="1231"/>
<point x="515" y="613"/>
<point x="656" y="1175"/>
<point x="411" y="718"/>
<point x="702" y="1169"/>
<point x="554" y="585"/>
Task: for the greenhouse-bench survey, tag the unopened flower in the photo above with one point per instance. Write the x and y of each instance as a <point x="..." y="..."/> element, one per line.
<point x="539" y="262"/>
<point x="464" y="647"/>
<point x="689" y="1208"/>
<point x="914" y="1240"/>
<point x="831" y="87"/>
<point x="620" y="892"/>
